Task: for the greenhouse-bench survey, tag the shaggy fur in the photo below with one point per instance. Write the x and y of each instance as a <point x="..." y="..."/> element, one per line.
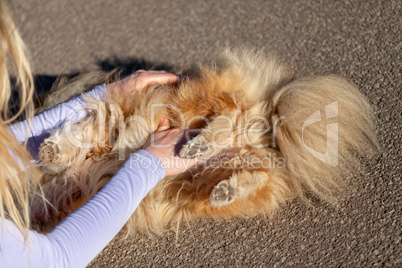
<point x="288" y="136"/>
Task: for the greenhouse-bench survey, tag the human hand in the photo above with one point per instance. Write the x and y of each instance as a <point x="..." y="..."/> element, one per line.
<point x="141" y="80"/>
<point x="163" y="143"/>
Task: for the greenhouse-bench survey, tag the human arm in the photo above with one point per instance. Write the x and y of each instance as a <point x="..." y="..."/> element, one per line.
<point x="84" y="233"/>
<point x="37" y="129"/>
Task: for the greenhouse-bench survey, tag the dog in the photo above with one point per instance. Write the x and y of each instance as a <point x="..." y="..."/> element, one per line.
<point x="266" y="136"/>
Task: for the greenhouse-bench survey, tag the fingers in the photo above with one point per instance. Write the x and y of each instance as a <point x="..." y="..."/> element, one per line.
<point x="148" y="78"/>
<point x="140" y="80"/>
<point x="164" y="124"/>
<point x="162" y="144"/>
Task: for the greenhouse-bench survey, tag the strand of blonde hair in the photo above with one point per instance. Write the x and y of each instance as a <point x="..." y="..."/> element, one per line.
<point x="16" y="172"/>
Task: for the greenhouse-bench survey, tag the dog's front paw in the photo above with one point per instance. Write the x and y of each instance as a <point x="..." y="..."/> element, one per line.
<point x="223" y="194"/>
<point x="196" y="147"/>
<point x="49" y="152"/>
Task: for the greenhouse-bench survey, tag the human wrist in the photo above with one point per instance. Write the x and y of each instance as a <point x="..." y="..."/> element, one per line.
<point x="143" y="159"/>
<point x="98" y="92"/>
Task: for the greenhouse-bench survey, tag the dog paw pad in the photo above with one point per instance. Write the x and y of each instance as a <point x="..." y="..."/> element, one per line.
<point x="49" y="152"/>
<point x="223" y="194"/>
<point x="196" y="147"/>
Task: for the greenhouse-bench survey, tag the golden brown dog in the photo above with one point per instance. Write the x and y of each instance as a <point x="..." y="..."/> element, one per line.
<point x="266" y="136"/>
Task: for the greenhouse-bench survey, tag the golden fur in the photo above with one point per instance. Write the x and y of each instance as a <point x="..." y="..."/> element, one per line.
<point x="288" y="136"/>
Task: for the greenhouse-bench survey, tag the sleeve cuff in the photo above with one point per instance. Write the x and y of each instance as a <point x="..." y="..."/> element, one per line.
<point x="145" y="160"/>
<point x="98" y="92"/>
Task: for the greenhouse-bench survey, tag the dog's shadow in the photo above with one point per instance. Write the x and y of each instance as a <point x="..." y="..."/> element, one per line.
<point x="128" y="66"/>
<point x="43" y="82"/>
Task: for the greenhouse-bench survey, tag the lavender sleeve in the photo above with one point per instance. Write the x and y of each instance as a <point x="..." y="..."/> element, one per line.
<point x="82" y="235"/>
<point x="37" y="129"/>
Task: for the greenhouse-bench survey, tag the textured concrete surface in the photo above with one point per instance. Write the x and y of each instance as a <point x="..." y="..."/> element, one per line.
<point x="360" y="40"/>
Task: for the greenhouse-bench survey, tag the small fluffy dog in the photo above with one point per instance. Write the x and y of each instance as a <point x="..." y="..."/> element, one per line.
<point x="266" y="136"/>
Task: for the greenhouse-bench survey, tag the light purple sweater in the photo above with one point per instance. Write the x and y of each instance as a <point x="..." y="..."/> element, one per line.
<point x="81" y="236"/>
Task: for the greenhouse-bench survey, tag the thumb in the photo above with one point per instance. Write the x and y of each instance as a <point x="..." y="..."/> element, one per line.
<point x="164" y="124"/>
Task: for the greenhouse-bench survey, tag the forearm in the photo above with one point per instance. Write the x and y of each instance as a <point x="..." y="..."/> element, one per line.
<point x="74" y="109"/>
<point x="83" y="234"/>
<point x="100" y="219"/>
<point x="36" y="129"/>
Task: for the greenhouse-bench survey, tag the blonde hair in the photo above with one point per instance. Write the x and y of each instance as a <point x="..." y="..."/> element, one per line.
<point x="16" y="172"/>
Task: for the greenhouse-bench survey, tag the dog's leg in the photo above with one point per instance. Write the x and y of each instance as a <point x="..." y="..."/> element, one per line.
<point x="237" y="188"/>
<point x="196" y="147"/>
<point x="223" y="194"/>
<point x="213" y="137"/>
<point x="63" y="149"/>
<point x="49" y="152"/>
<point x="253" y="168"/>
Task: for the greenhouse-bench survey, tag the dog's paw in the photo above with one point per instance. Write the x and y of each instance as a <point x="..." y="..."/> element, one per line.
<point x="223" y="194"/>
<point x="196" y="147"/>
<point x="49" y="152"/>
<point x="98" y="152"/>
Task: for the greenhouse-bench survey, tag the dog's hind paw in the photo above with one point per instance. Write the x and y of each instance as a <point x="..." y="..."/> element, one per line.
<point x="223" y="194"/>
<point x="49" y="152"/>
<point x="196" y="147"/>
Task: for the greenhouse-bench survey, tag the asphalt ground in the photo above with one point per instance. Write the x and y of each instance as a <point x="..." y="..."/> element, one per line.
<point x="360" y="40"/>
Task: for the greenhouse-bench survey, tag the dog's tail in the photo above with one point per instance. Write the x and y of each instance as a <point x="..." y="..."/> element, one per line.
<point x="322" y="125"/>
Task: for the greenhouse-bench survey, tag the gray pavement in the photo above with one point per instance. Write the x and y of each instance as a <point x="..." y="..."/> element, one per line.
<point x="360" y="40"/>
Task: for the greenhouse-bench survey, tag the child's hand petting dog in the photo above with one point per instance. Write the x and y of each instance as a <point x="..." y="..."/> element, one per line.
<point x="141" y="80"/>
